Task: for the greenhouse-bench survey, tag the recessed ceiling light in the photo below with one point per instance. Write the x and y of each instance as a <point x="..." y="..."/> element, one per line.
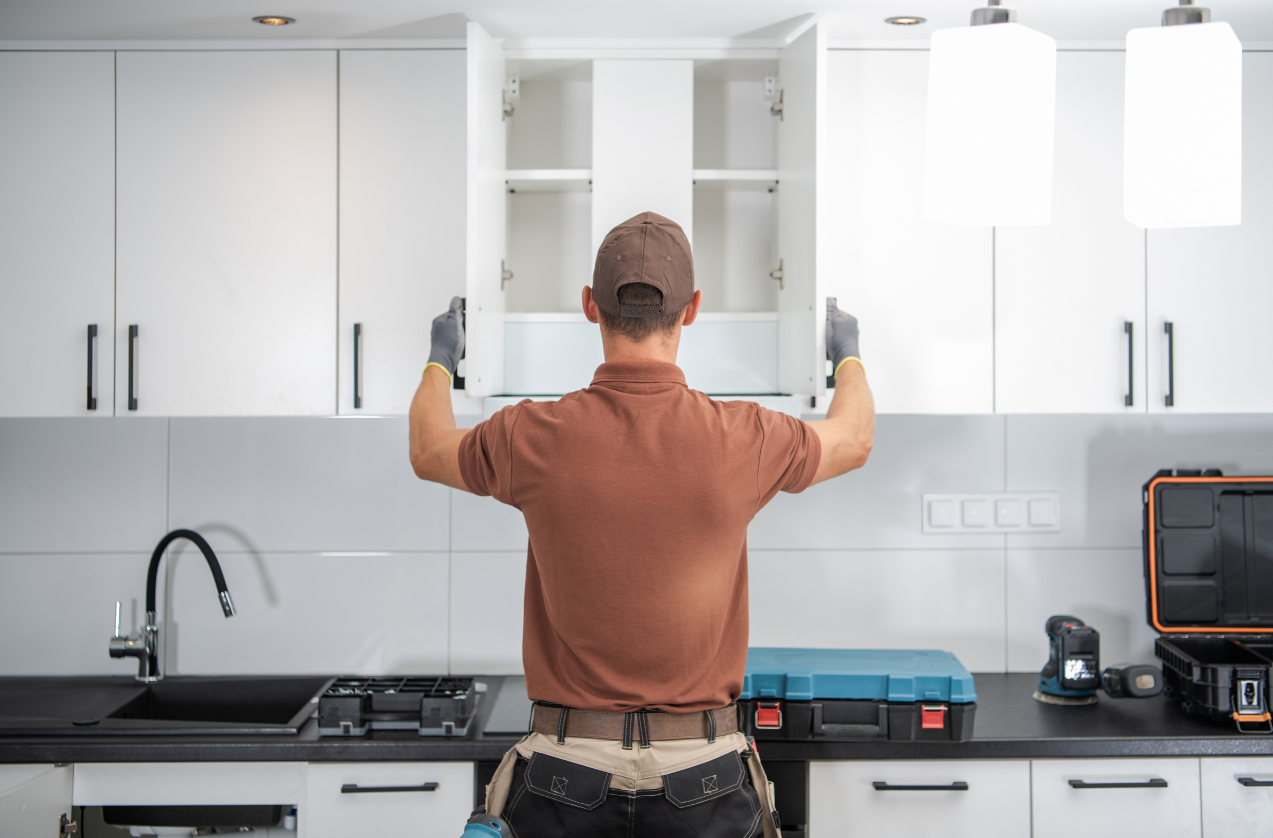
<point x="274" y="20"/>
<point x="905" y="20"/>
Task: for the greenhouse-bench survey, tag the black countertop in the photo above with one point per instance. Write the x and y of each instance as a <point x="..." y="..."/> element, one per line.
<point x="1009" y="725"/>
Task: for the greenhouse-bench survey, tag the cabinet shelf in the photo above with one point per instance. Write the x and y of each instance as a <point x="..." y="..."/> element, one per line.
<point x="548" y="180"/>
<point x="735" y="179"/>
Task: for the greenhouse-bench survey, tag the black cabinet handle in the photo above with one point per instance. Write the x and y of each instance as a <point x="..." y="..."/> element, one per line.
<point x="1170" y="330"/>
<point x="958" y="785"/>
<point x="1252" y="783"/>
<point x="357" y="378"/>
<point x="1127" y="328"/>
<point x="354" y="788"/>
<point x="1156" y="783"/>
<point x="132" y="365"/>
<point x="92" y="339"/>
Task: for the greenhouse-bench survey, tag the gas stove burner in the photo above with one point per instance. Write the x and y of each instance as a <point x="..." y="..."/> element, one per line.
<point x="432" y="705"/>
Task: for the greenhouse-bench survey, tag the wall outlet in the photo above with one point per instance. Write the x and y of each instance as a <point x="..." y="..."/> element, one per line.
<point x="1021" y="512"/>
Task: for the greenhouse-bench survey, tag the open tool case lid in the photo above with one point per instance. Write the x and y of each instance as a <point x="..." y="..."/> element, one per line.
<point x="902" y="675"/>
<point x="1208" y="543"/>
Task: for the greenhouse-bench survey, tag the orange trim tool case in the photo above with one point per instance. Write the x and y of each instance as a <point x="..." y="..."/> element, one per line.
<point x="1208" y="544"/>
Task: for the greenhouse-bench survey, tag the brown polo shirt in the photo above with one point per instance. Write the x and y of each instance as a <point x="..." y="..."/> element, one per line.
<point x="637" y="493"/>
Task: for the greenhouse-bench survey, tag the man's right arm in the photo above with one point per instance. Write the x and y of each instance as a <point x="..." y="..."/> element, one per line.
<point x="848" y="432"/>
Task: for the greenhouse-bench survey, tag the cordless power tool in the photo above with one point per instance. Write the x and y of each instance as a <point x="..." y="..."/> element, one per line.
<point x="1073" y="671"/>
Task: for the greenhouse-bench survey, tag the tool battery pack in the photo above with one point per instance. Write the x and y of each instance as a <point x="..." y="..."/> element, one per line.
<point x="1208" y="553"/>
<point x="857" y="694"/>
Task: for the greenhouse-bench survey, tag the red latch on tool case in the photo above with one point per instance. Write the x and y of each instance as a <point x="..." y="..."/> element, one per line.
<point x="768" y="714"/>
<point x="933" y="716"/>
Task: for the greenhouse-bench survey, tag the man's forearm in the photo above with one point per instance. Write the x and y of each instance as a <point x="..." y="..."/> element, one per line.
<point x="848" y="432"/>
<point x="434" y="436"/>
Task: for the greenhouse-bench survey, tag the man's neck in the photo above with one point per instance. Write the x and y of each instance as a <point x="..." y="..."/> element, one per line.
<point x="619" y="350"/>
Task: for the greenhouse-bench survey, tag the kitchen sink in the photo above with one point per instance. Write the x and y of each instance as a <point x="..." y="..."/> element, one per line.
<point x="180" y="705"/>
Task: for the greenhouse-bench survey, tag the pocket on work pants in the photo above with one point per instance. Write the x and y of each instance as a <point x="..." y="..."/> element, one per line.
<point x="765" y="790"/>
<point x="553" y="798"/>
<point x="501" y="781"/>
<point x="714" y="799"/>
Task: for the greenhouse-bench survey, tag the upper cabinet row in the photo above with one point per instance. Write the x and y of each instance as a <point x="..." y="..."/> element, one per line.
<point x="270" y="233"/>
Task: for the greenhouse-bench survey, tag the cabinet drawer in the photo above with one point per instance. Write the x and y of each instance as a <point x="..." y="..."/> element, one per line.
<point x="1232" y="808"/>
<point x="1116" y="798"/>
<point x="374" y="810"/>
<point x="951" y="798"/>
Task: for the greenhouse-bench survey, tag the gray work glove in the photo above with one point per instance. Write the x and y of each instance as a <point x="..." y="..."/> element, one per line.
<point x="448" y="338"/>
<point x="842" y="335"/>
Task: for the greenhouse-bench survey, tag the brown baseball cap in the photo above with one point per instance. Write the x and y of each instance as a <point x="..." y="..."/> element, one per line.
<point x="646" y="248"/>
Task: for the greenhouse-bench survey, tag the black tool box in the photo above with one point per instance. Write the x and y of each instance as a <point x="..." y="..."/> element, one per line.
<point x="1208" y="545"/>
<point x="849" y="694"/>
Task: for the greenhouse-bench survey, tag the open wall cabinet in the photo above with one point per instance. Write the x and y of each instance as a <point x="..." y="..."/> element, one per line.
<point x="561" y="149"/>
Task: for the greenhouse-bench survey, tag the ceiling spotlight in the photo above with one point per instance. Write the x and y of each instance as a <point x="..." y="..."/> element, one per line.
<point x="274" y="20"/>
<point x="905" y="20"/>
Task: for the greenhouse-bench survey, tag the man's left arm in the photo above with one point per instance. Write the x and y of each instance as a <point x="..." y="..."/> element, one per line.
<point x="435" y="441"/>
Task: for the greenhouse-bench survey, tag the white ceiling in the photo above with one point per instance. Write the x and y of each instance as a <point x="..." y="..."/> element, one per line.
<point x="1065" y="20"/>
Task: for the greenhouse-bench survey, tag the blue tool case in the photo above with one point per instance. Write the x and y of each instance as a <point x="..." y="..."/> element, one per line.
<point x="845" y="694"/>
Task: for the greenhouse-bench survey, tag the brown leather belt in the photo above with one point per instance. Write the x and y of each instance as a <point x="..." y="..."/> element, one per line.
<point x="626" y="727"/>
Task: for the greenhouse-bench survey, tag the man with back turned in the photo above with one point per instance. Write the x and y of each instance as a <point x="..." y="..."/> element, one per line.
<point x="637" y="493"/>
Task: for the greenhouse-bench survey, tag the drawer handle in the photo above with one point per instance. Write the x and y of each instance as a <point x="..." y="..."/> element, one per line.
<point x="1251" y="782"/>
<point x="354" y="788"/>
<point x="959" y="785"/>
<point x="1156" y="783"/>
<point x="92" y="339"/>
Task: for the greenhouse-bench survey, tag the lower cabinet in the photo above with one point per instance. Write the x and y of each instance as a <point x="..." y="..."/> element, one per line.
<point x="1237" y="798"/>
<point x="35" y="800"/>
<point x="1117" y="798"/>
<point x="951" y="798"/>
<point x="355" y="799"/>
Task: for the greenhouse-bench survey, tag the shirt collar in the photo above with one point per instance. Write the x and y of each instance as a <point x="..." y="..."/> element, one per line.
<point x="637" y="372"/>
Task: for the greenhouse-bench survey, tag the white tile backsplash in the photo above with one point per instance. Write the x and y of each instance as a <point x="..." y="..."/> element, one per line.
<point x="308" y="613"/>
<point x="418" y="578"/>
<point x="894" y="599"/>
<point x="878" y="508"/>
<point x="304" y="484"/>
<point x="1103" y="588"/>
<point x="82" y="485"/>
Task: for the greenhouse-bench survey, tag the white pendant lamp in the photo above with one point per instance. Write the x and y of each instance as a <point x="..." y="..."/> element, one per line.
<point x="991" y="123"/>
<point x="1182" y="135"/>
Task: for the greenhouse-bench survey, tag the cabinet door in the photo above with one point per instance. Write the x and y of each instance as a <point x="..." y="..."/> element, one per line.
<point x="1212" y="284"/>
<point x="951" y="798"/>
<point x="483" y="366"/>
<point x="922" y="291"/>
<point x="402" y="191"/>
<point x="802" y="224"/>
<point x="33" y="807"/>
<point x="227" y="232"/>
<point x="1116" y="798"/>
<point x="1237" y="798"/>
<point x="57" y="232"/>
<point x="380" y="806"/>
<point x="1066" y="294"/>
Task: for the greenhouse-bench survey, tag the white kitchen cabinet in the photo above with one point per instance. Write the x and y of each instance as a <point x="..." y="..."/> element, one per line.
<point x="1213" y="284"/>
<point x="57" y="231"/>
<point x="402" y="198"/>
<point x="393" y="798"/>
<point x="1070" y="296"/>
<point x="978" y="799"/>
<point x="34" y="800"/>
<point x="188" y="783"/>
<point x="1237" y="798"/>
<point x="922" y="291"/>
<point x="1116" y="798"/>
<point x="226" y="244"/>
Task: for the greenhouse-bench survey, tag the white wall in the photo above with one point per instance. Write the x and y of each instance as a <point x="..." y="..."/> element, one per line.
<point x="341" y="561"/>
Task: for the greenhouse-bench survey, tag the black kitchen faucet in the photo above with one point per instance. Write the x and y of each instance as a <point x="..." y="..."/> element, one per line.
<point x="146" y="647"/>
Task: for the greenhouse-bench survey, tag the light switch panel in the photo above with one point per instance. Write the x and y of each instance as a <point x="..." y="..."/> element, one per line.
<point x="1022" y="512"/>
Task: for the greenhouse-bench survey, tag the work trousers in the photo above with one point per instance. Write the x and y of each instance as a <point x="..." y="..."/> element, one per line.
<point x="685" y="788"/>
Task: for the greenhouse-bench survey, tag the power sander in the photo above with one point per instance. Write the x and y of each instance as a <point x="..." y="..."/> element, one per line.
<point x="1073" y="671"/>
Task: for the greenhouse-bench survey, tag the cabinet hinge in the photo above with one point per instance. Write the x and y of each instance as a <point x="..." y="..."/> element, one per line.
<point x="777" y="274"/>
<point x="66" y="826"/>
<point x="504" y="274"/>
<point x="512" y="94"/>
<point x="776" y="107"/>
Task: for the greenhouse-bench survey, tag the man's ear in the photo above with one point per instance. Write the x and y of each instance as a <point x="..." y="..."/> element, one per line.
<point x="691" y="310"/>
<point x="590" y="305"/>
